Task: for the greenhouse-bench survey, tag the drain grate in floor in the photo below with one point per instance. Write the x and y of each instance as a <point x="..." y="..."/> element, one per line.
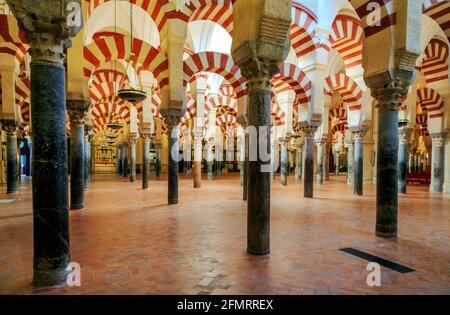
<point x="7" y="200"/>
<point x="383" y="262"/>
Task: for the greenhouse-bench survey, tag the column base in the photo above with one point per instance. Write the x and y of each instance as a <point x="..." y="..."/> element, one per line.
<point x="173" y="202"/>
<point x="447" y="188"/>
<point x="12" y="192"/>
<point x="385" y="234"/>
<point x="258" y="253"/>
<point x="77" y="206"/>
<point x="52" y="278"/>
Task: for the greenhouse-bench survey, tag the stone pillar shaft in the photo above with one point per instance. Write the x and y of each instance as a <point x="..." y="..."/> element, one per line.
<point x="77" y="111"/>
<point x="119" y="159"/>
<point x="320" y="162"/>
<point x="172" y="120"/>
<point x="308" y="179"/>
<point x="12" y="167"/>
<point x="145" y="161"/>
<point x="437" y="170"/>
<point x="133" y="142"/>
<point x="402" y="160"/>
<point x="298" y="162"/>
<point x="284" y="163"/>
<point x="350" y="166"/>
<point x="358" y="176"/>
<point x="197" y="161"/>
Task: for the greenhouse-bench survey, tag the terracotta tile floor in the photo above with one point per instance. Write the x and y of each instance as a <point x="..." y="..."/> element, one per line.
<point x="128" y="241"/>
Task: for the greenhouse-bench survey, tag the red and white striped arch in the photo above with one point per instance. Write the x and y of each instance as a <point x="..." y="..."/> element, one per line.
<point x="221" y="64"/>
<point x="227" y="90"/>
<point x="12" y="42"/>
<point x="388" y="16"/>
<point x="435" y="62"/>
<point x="107" y="75"/>
<point x="22" y="92"/>
<point x="297" y="80"/>
<point x="347" y="88"/>
<point x="339" y="113"/>
<point x="304" y="23"/>
<point x="347" y="38"/>
<point x="117" y="47"/>
<point x="191" y="109"/>
<point x="432" y="102"/>
<point x="154" y="8"/>
<point x="216" y="101"/>
<point x="278" y="115"/>
<point x="220" y="13"/>
<point x="227" y="120"/>
<point x="438" y="10"/>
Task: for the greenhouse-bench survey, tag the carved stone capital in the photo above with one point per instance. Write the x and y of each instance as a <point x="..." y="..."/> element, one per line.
<point x="437" y="140"/>
<point x="87" y="130"/>
<point x="146" y="135"/>
<point x="48" y="25"/>
<point x="132" y="139"/>
<point x="404" y="135"/>
<point x="172" y="117"/>
<point x="389" y="87"/>
<point x="78" y="110"/>
<point x="310" y="132"/>
<point x="259" y="72"/>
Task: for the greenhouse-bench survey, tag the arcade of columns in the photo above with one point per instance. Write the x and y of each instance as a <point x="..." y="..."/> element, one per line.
<point x="318" y="80"/>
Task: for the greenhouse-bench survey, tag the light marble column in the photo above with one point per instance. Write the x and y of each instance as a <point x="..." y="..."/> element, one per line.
<point x="437" y="169"/>
<point x="403" y="143"/>
<point x="350" y="163"/>
<point x="308" y="179"/>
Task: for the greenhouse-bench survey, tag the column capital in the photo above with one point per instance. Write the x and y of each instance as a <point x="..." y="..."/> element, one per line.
<point x="259" y="72"/>
<point x="133" y="139"/>
<point x="172" y="117"/>
<point x="146" y="135"/>
<point x="310" y="132"/>
<point x="48" y="25"/>
<point x="78" y="110"/>
<point x="389" y="87"/>
<point x="404" y="134"/>
<point x="437" y="139"/>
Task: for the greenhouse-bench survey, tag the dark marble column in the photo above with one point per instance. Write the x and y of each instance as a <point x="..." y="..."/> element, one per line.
<point x="87" y="155"/>
<point x="327" y="161"/>
<point x="284" y="163"/>
<point x="45" y="27"/>
<point x="77" y="113"/>
<point x="158" y="160"/>
<point x="336" y="163"/>
<point x="320" y="161"/>
<point x="388" y="93"/>
<point x="358" y="177"/>
<point x="437" y="174"/>
<point x="12" y="167"/>
<point x="172" y="118"/>
<point x="125" y="159"/>
<point x="119" y="159"/>
<point x="308" y="180"/>
<point x="245" y="185"/>
<point x="133" y="141"/>
<point x="403" y="141"/>
<point x="350" y="164"/>
<point x="145" y="159"/>
<point x="259" y="73"/>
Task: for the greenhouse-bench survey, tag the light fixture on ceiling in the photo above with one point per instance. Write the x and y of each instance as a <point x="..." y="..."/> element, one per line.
<point x="129" y="93"/>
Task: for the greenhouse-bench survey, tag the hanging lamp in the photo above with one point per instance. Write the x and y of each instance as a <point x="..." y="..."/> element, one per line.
<point x="130" y="94"/>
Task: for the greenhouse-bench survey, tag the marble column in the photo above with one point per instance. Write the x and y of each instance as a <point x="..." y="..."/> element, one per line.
<point x="119" y="159"/>
<point x="210" y="161"/>
<point x="246" y="161"/>
<point x="125" y="159"/>
<point x="259" y="73"/>
<point x="47" y="31"/>
<point x="133" y="141"/>
<point x="198" y="139"/>
<point x="274" y="158"/>
<point x="403" y="140"/>
<point x="12" y="167"/>
<point x="358" y="172"/>
<point x="388" y="95"/>
<point x="437" y="169"/>
<point x="158" y="160"/>
<point x="298" y="161"/>
<point x="308" y="180"/>
<point x="411" y="168"/>
<point x="87" y="156"/>
<point x="446" y="186"/>
<point x="172" y="118"/>
<point x="336" y="163"/>
<point x="284" y="162"/>
<point x="350" y="164"/>
<point x="77" y="113"/>
<point x="146" y="137"/>
<point x="320" y="161"/>
<point x="327" y="161"/>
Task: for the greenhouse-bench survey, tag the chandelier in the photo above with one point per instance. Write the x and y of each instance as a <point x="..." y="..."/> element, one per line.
<point x="114" y="122"/>
<point x="129" y="93"/>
